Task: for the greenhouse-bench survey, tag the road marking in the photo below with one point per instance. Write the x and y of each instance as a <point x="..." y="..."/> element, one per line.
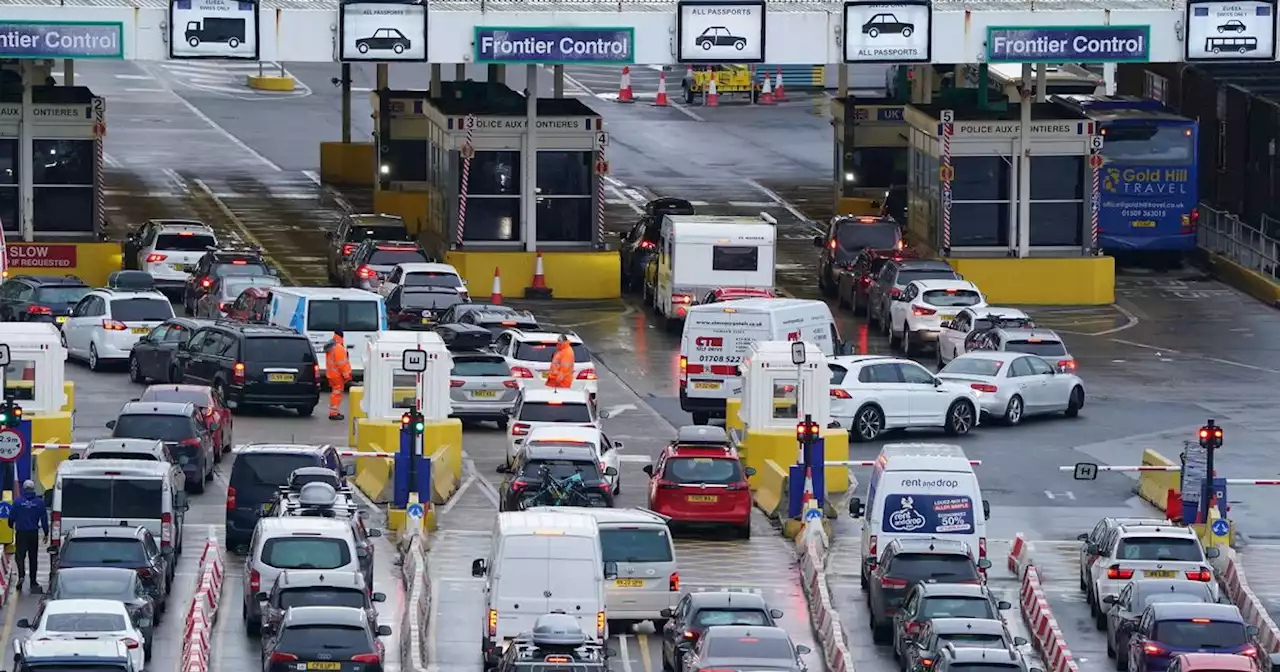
<point x="145" y="90"/>
<point x="635" y="459"/>
<point x="433" y="588"/>
<point x="111" y="161"/>
<point x="773" y="196"/>
<point x="133" y="77"/>
<point x="457" y="495"/>
<point x="490" y="492"/>
<point x="1068" y="495"/>
<point x="615" y="411"/>
<point x="241" y="228"/>
<point x="1217" y="360"/>
<point x="234" y="140"/>
<point x="687" y="112"/>
<point x="752" y="204"/>
<point x="625" y="653"/>
<point x="643" y="640"/>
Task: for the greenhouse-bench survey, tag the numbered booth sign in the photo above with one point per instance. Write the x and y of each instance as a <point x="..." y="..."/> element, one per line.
<point x="414" y="361"/>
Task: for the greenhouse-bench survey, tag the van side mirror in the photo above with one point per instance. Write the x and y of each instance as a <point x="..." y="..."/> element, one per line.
<point x="855" y="507"/>
<point x="817" y="241"/>
<point x="604" y="415"/>
<point x="478" y="568"/>
<point x="610" y="471"/>
<point x="803" y="650"/>
<point x="23" y="623"/>
<point x="379" y="597"/>
<point x="775" y="613"/>
<point x="610" y="570"/>
<point x="111" y="424"/>
<point x="1020" y="641"/>
<point x="262" y="596"/>
<point x="1212" y="552"/>
<point x="384" y="631"/>
<point x="648" y="470"/>
<point x="667" y="613"/>
<point x="984" y="563"/>
<point x="986" y="510"/>
<point x="617" y="445"/>
<point x="375" y="532"/>
<point x="349" y="469"/>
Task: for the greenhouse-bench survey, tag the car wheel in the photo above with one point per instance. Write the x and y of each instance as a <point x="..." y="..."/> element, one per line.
<point x="363" y="47"/>
<point x="895" y="338"/>
<point x="740" y="45"/>
<point x="880" y="632"/>
<point x="868" y="423"/>
<point x="907" y="345"/>
<point x="146" y="651"/>
<point x="906" y="32"/>
<point x="197" y="487"/>
<point x="95" y="363"/>
<point x="305" y="411"/>
<point x="1220" y="29"/>
<point x="399" y="48"/>
<point x="135" y="371"/>
<point x="873" y="33"/>
<point x="1013" y="412"/>
<point x="1111" y="646"/>
<point x="960" y="418"/>
<point x="1100" y="621"/>
<point x="873" y="318"/>
<point x="706" y="45"/>
<point x="1075" y="402"/>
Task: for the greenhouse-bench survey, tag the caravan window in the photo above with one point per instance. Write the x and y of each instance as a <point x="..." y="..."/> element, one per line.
<point x="725" y="258"/>
<point x="335" y="314"/>
<point x="125" y="498"/>
<point x="928" y="514"/>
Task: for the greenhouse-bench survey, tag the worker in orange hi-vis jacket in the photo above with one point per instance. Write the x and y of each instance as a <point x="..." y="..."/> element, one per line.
<point x="561" y="374"/>
<point x="337" y="367"/>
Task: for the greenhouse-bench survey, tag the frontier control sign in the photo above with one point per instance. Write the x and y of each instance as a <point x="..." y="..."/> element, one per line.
<point x="1066" y="44"/>
<point x="552" y="46"/>
<point x="61" y="39"/>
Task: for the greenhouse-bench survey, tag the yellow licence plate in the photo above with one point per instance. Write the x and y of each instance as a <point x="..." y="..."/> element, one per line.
<point x="706" y="386"/>
<point x="60" y="320"/>
<point x="704" y="498"/>
<point x="1143" y="224"/>
<point x="487" y="394"/>
<point x="181" y="267"/>
<point x="279" y="377"/>
<point x="324" y="666"/>
<point x="629" y="583"/>
<point x="947" y="317"/>
<point x="1159" y="574"/>
<point x="140" y="330"/>
<point x="426" y="320"/>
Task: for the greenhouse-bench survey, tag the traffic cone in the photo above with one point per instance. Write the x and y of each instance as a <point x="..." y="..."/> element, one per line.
<point x="539" y="288"/>
<point x="495" y="296"/>
<point x="661" y="100"/>
<point x="713" y="98"/>
<point x="779" y="93"/>
<point x="766" y="93"/>
<point x="624" y="89"/>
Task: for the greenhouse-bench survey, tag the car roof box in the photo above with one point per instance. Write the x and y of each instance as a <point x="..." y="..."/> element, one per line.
<point x="668" y="206"/>
<point x="464" y="336"/>
<point x="131" y="280"/>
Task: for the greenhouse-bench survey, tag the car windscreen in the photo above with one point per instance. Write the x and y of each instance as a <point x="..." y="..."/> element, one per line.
<point x="390" y="256"/>
<point x="939" y="567"/>
<point x="906" y="275"/>
<point x="432" y="279"/>
<point x="972" y="366"/>
<point x="852" y="236"/>
<point x="635" y="544"/>
<point x="480" y="367"/>
<point x="112" y="497"/>
<point x="380" y="232"/>
<point x="538" y="411"/>
<point x="750" y="647"/>
<point x="322" y="596"/>
<point x="141" y="310"/>
<point x="64" y="294"/>
<point x="156" y="427"/>
<point x="198" y="396"/>
<point x="956" y="607"/>
<point x="1161" y="549"/>
<point x="950" y="298"/>
<point x="347" y="315"/>
<point x="1042" y="347"/>
<point x="709" y="617"/>
<point x="82" y="622"/>
<point x="1200" y="633"/>
<point x="543" y="351"/>
<point x="305" y="553"/>
<point x="102" y="551"/>
<point x="227" y="269"/>
<point x="433" y="300"/>
<point x="94" y="584"/>
<point x="260" y="471"/>
<point x="279" y="350"/>
<point x="562" y="469"/>
<point x="333" y="638"/>
<point x="972" y="640"/>
<point x="928" y="514"/>
<point x="699" y="470"/>
<point x="185" y="242"/>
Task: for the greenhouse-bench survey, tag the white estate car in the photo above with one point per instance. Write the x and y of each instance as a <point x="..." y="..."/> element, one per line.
<point x="1094" y="538"/>
<point x="169" y="251"/>
<point x="539" y="407"/>
<point x="916" y="315"/>
<point x="957" y="333"/>
<point x="871" y="394"/>
<point x="529" y="354"/>
<point x="85" y="620"/>
<point x="1145" y="552"/>
<point x="1013" y="385"/>
<point x="606" y="450"/>
<point x="424" y="274"/>
<point x="107" y="323"/>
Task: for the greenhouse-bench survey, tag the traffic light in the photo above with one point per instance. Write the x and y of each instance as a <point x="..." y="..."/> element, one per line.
<point x="1210" y="436"/>
<point x="807" y="431"/>
<point x="413" y="420"/>
<point x="10" y="414"/>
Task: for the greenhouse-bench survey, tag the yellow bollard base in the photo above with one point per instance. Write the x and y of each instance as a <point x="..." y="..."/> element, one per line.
<point x="374" y="474"/>
<point x="443" y="440"/>
<point x="269" y="83"/>
<point x="395" y="519"/>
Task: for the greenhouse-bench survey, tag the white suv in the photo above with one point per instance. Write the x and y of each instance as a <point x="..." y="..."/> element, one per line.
<point x="871" y="394"/>
<point x="1145" y="551"/>
<point x="170" y="251"/>
<point x="529" y="354"/>
<point x="916" y="315"/>
<point x="545" y="407"/>
<point x="425" y="274"/>
<point x="106" y="323"/>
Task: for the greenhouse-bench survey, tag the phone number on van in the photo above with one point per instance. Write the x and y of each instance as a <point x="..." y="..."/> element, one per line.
<point x="727" y="359"/>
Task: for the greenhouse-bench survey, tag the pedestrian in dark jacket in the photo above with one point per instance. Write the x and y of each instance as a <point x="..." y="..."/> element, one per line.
<point x="29" y="517"/>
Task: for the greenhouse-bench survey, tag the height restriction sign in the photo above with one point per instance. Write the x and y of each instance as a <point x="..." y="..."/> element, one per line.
<point x="1095" y="161"/>
<point x="946" y="174"/>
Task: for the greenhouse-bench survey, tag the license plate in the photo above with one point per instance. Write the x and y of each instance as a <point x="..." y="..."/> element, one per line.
<point x="484" y="394"/>
<point x="324" y="666"/>
<point x="629" y="583"/>
<point x="1143" y="224"/>
<point x="181" y="267"/>
<point x="706" y="499"/>
<point x="60" y="320"/>
<point x="426" y="320"/>
<point x="141" y="330"/>
<point x="279" y="377"/>
<point x="947" y="316"/>
<point x="705" y="386"/>
<point x="1159" y="574"/>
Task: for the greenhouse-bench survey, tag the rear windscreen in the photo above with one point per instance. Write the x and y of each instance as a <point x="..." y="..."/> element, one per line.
<point x="154" y="427"/>
<point x="393" y="256"/>
<point x="190" y="242"/>
<point x="113" y="455"/>
<point x="267" y="470"/>
<point x="909" y="275"/>
<point x="1200" y="633"/>
<point x="322" y="596"/>
<point x="118" y="498"/>
<point x="543" y="352"/>
<point x="380" y="232"/>
<point x="431" y="279"/>
<point x="775" y="648"/>
<point x="324" y="638"/>
<point x="536" y="411"/>
<point x="434" y="300"/>
<point x="948" y="298"/>
<point x="84" y="622"/>
<point x="709" y="470"/>
<point x="957" y="607"/>
<point x="55" y="295"/>
<point x="279" y="350"/>
<point x="853" y="237"/>
<point x="983" y="323"/>
<point x="562" y="469"/>
<point x="305" y="553"/>
<point x="740" y="259"/>
<point x="622" y="544"/>
<point x="837" y="374"/>
<point x="104" y="551"/>
<point x="972" y="640"/>
<point x="1167" y="549"/>
<point x="933" y="567"/>
<point x="141" y="310"/>
<point x="709" y="617"/>
<point x="928" y="514"/>
<point x="198" y="396"/>
<point x="335" y="314"/>
<point x="228" y="269"/>
<point x="477" y="367"/>
<point x="1040" y="347"/>
<point x="973" y="366"/>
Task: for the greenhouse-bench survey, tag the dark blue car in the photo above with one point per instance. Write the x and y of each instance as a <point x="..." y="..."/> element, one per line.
<point x="256" y="475"/>
<point x="1168" y="629"/>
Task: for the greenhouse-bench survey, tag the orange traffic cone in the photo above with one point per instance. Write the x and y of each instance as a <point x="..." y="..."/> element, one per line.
<point x="713" y="98"/>
<point x="539" y="288"/>
<point x="624" y="89"/>
<point x="766" y="92"/>
<point x="779" y="92"/>
<point x="495" y="296"/>
<point x="661" y="100"/>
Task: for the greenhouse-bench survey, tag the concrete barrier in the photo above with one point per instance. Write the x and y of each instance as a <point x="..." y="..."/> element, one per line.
<point x="417" y="608"/>
<point x="1245" y="279"/>
<point x="813" y="545"/>
<point x="443" y="440"/>
<point x="771" y="487"/>
<point x="1046" y="634"/>
<point x="1231" y="578"/>
<point x="1154" y="486"/>
<point x="202" y="610"/>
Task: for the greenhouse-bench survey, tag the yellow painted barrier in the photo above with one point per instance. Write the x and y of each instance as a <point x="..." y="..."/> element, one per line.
<point x="355" y="395"/>
<point x="1074" y="281"/>
<point x="775" y="445"/>
<point x="835" y="449"/>
<point x="570" y="275"/>
<point x="413" y="207"/>
<point x="771" y="483"/>
<point x="69" y="389"/>
<point x="1246" y="280"/>
<point x="1154" y="486"/>
<point x="270" y="83"/>
<point x="91" y="262"/>
<point x="374" y="474"/>
<point x="443" y="439"/>
<point x="6" y="529"/>
<point x="395" y="519"/>
<point x="348" y="163"/>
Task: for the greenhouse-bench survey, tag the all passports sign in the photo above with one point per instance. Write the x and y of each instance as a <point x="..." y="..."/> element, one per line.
<point x="382" y="31"/>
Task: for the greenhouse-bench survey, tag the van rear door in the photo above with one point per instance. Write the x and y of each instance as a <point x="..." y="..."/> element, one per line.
<point x="359" y="319"/>
<point x="575" y="580"/>
<point x="523" y="576"/>
<point x="111" y="500"/>
<point x="714" y="344"/>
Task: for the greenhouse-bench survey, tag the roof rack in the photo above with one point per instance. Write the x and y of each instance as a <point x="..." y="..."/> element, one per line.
<point x="131" y="281"/>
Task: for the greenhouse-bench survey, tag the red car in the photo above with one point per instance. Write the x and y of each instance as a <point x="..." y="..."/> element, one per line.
<point x="251" y="306"/>
<point x="214" y="411"/>
<point x="699" y="481"/>
<point x="853" y="283"/>
<point x="735" y="293"/>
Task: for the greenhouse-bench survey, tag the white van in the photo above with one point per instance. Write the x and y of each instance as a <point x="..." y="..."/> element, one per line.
<point x="541" y="562"/>
<point x="921" y="490"/>
<point x="718" y="335"/>
<point x="119" y="492"/>
<point x="318" y="311"/>
<point x="146" y="450"/>
<point x="700" y="253"/>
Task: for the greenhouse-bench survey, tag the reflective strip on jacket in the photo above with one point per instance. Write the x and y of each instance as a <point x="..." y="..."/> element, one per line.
<point x="337" y="365"/>
<point x="561" y="374"/>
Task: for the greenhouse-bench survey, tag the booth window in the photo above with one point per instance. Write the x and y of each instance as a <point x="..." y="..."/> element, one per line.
<point x="565" y="220"/>
<point x="493" y="174"/>
<point x="564" y="174"/>
<point x="740" y="259"/>
<point x="404" y="389"/>
<point x="1057" y="201"/>
<point x="406" y="160"/>
<point x="62" y="171"/>
<point x="9" y="162"/>
<point x="879" y="167"/>
<point x="9" y="208"/>
<point x="980" y="194"/>
<point x="493" y="219"/>
<point x="565" y="199"/>
<point x="785" y="399"/>
<point x="63" y="208"/>
<point x="20" y="379"/>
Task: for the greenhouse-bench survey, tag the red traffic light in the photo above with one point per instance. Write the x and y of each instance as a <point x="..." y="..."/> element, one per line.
<point x="406" y="419"/>
<point x="807" y="430"/>
<point x="1204" y="432"/>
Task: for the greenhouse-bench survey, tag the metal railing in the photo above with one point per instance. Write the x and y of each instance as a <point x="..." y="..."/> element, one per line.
<point x="1225" y="234"/>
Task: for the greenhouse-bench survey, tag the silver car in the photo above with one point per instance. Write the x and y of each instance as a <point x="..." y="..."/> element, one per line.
<point x="217" y="301"/>
<point x="1013" y="385"/>
<point x="482" y="387"/>
<point x="1030" y="341"/>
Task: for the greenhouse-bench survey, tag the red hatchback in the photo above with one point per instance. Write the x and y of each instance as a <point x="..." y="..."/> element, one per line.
<point x="213" y="410"/>
<point x="251" y="306"/>
<point x="699" y="481"/>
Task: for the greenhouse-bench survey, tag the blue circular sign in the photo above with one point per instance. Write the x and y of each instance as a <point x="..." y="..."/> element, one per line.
<point x="1220" y="527"/>
<point x="416" y="510"/>
<point x="813" y="514"/>
<point x="5" y="509"/>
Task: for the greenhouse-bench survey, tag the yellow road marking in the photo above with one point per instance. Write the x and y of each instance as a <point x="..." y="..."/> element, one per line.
<point x="242" y="229"/>
<point x="641" y="639"/>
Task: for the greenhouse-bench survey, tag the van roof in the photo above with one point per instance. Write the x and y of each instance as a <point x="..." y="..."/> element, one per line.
<point x="331" y="293"/>
<point x="923" y="457"/>
<point x="545" y="522"/>
<point x="756" y="305"/>
<point x="141" y="468"/>
<point x="635" y="516"/>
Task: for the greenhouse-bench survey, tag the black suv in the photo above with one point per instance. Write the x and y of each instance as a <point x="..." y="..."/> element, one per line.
<point x="906" y="562"/>
<point x="355" y="229"/>
<point x="316" y="637"/>
<point x="152" y="356"/>
<point x="498" y="321"/>
<point x="525" y="479"/>
<point x="418" y="308"/>
<point x="222" y="263"/>
<point x="257" y="475"/>
<point x="555" y="643"/>
<point x="180" y="426"/>
<point x="893" y="277"/>
<point x="316" y="588"/>
<point x="698" y="611"/>
<point x="641" y="243"/>
<point x="373" y="260"/>
<point x="116" y="546"/>
<point x="928" y="601"/>
<point x="846" y="237"/>
<point x="31" y="298"/>
<point x="977" y="633"/>
<point x="251" y="365"/>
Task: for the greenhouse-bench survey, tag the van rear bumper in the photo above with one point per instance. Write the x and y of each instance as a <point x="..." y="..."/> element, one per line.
<point x="638" y="605"/>
<point x="710" y="405"/>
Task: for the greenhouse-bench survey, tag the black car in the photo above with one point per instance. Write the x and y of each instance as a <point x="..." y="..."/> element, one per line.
<point x="935" y="634"/>
<point x="34" y="298"/>
<point x="928" y="601"/>
<point x="151" y="359"/>
<point x="698" y="611"/>
<point x="355" y="229"/>
<point x="1124" y="609"/>
<point x="893" y="277"/>
<point x="183" y="429"/>
<point x="131" y="548"/>
<point x="498" y="321"/>
<point x="257" y="475"/>
<point x="314" y="638"/>
<point x="906" y="562"/>
<point x="455" y="313"/>
<point x="316" y="588"/>
<point x="556" y="644"/>
<point x="534" y="464"/>
<point x="418" y="308"/>
<point x="846" y="237"/>
<point x="251" y="365"/>
<point x="641" y="243"/>
<point x="108" y="583"/>
<point x="751" y="647"/>
<point x="961" y="657"/>
<point x="222" y="263"/>
<point x="373" y="260"/>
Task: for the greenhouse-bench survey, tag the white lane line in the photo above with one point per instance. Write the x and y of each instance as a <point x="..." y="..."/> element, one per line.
<point x="145" y="90"/>
<point x="1217" y="360"/>
<point x="624" y="653"/>
<point x="687" y="112"/>
<point x="751" y="204"/>
<point x="133" y="77"/>
<point x="773" y="196"/>
<point x="111" y="161"/>
<point x="458" y="495"/>
<point x="432" y="624"/>
<point x="234" y="140"/>
<point x="1131" y="321"/>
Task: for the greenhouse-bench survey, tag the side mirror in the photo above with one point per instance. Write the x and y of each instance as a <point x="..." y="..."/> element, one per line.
<point x="648" y="470"/>
<point x="937" y="382"/>
<point x="610" y="570"/>
<point x="775" y="613"/>
<point x="945" y="324"/>
<point x="52" y="550"/>
<point x="375" y="532"/>
<point x="803" y="650"/>
<point x="328" y="234"/>
<point x="111" y="424"/>
<point x="817" y="241"/>
<point x="384" y="631"/>
<point x="855" y="507"/>
<point x="667" y="613"/>
<point x="23" y="623"/>
<point x="1110" y="599"/>
<point x="502" y="469"/>
<point x="749" y="471"/>
<point x="984" y="563"/>
<point x="1083" y="537"/>
<point x="478" y="568"/>
<point x="604" y="415"/>
<point x="1020" y="641"/>
<point x="262" y="596"/>
<point x="1002" y="605"/>
<point x="1251" y="630"/>
<point x="379" y="597"/>
<point x="610" y="471"/>
<point x="1212" y="552"/>
<point x="617" y="445"/>
<point x="986" y="510"/>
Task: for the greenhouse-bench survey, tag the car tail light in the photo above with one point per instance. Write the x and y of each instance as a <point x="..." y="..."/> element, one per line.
<point x="315" y="372"/>
<point x="206" y="282"/>
<point x="587" y="374"/>
<point x="237" y="374"/>
<point x="255" y="581"/>
<point x="1067" y="365"/>
<point x="983" y="387"/>
<point x="55" y="528"/>
<point x="39" y="310"/>
<point x="891" y="583"/>
<point x="222" y="306"/>
<point x="1250" y="650"/>
<point x="371" y="658"/>
<point x="519" y="484"/>
<point x="673" y="582"/>
<point x="521" y="372"/>
<point x="926" y="662"/>
<point x="873" y="549"/>
<point x="668" y="485"/>
<point x="600" y="624"/>
<point x="1153" y="649"/>
<point x="278" y="657"/>
<point x="690" y="635"/>
<point x="831" y="245"/>
<point x="144" y="572"/>
<point x="511" y="384"/>
<point x="894" y="291"/>
<point x="982" y="553"/>
<point x="918" y="311"/>
<point x="724" y="369"/>
<point x="239" y="262"/>
<point x="114" y="325"/>
<point x="1114" y="572"/>
<point x="166" y="527"/>
<point x="456" y="383"/>
<point x="348" y="248"/>
<point x="493" y="622"/>
<point x="231" y="498"/>
<point x="520" y="429"/>
<point x="129" y="642"/>
<point x="1203" y="574"/>
<point x="156" y="258"/>
<point x="912" y="627"/>
<point x="647" y="244"/>
<point x="837" y="393"/>
<point x="365" y="273"/>
<point x="681" y="299"/>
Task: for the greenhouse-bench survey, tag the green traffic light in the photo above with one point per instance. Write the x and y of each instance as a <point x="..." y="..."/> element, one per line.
<point x="419" y="426"/>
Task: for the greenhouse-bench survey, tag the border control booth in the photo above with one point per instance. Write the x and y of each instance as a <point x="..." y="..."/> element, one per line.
<point x="870" y="152"/>
<point x="457" y="167"/>
<point x="1021" y="201"/>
